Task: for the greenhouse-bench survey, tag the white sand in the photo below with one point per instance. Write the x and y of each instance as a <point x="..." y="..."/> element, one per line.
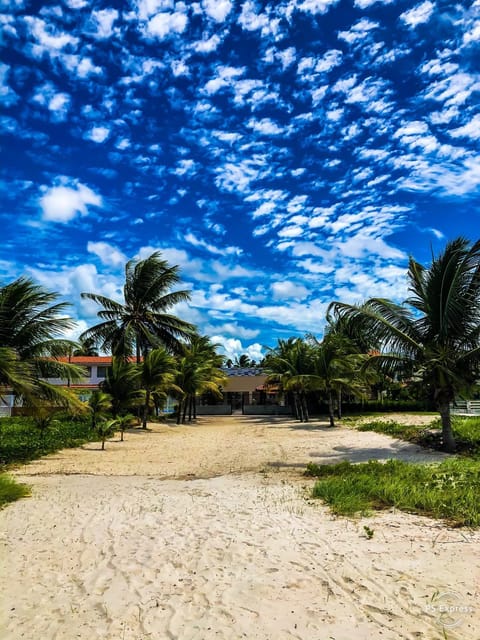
<point x="108" y="548"/>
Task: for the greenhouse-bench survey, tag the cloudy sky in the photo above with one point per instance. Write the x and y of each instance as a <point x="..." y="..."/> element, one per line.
<point x="284" y="154"/>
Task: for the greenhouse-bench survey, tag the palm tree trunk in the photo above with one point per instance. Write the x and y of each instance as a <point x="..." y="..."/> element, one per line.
<point x="296" y="407"/>
<point x="331" y="413"/>
<point x="145" y="409"/>
<point x="305" y="408"/>
<point x="339" y="404"/>
<point x="179" y="411"/>
<point x="103" y="444"/>
<point x="185" y="406"/>
<point x="449" y="443"/>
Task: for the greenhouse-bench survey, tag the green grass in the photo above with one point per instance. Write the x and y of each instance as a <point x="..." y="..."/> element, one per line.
<point x="449" y="491"/>
<point x="465" y="429"/>
<point x="10" y="490"/>
<point x="21" y="440"/>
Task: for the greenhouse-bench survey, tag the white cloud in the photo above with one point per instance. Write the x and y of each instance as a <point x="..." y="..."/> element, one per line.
<point x="265" y="126"/>
<point x="316" y="6"/>
<point x="233" y="348"/>
<point x="63" y="203"/>
<point x="98" y="134"/>
<point x="108" y="254"/>
<point x="365" y="4"/>
<point x="288" y="289"/>
<point x="105" y="19"/>
<point x="233" y="329"/>
<point x="164" y="24"/>
<point x="250" y="20"/>
<point x="48" y="37"/>
<point x="264" y="209"/>
<point x="359" y="31"/>
<point x="473" y="35"/>
<point x="203" y="244"/>
<point x="419" y="14"/>
<point x="217" y="9"/>
<point x="329" y="60"/>
<point x="59" y="105"/>
<point x="207" y="46"/>
<point x="469" y="130"/>
<point x="8" y="97"/>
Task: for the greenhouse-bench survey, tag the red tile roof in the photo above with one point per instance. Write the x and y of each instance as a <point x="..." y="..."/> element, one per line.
<point x="106" y="360"/>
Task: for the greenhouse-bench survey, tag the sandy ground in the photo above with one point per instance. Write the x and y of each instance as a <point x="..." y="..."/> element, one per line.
<point x="207" y="531"/>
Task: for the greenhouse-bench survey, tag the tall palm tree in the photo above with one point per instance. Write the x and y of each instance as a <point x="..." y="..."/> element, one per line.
<point x="141" y="322"/>
<point x="157" y="374"/>
<point x="31" y="325"/>
<point x="438" y="340"/>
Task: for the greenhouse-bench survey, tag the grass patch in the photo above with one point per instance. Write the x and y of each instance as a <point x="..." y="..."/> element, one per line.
<point x="21" y="440"/>
<point x="450" y="490"/>
<point x="466" y="431"/>
<point x="10" y="490"/>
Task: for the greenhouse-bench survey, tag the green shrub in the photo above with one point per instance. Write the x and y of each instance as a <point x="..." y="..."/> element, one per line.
<point x="10" y="490"/>
<point x="466" y="431"/>
<point x="450" y="490"/>
<point x="21" y="440"/>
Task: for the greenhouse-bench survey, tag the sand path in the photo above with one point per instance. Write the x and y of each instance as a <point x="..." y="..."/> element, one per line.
<point x="206" y="531"/>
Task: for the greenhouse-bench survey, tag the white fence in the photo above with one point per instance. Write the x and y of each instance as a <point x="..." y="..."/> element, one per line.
<point x="5" y="412"/>
<point x="466" y="407"/>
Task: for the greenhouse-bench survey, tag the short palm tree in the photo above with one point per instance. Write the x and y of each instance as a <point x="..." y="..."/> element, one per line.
<point x="123" y="386"/>
<point x="141" y="322"/>
<point x="106" y="429"/>
<point x="99" y="404"/>
<point x="156" y="374"/>
<point x="437" y="341"/>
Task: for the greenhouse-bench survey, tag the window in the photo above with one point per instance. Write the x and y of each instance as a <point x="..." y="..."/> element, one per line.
<point x="101" y="372"/>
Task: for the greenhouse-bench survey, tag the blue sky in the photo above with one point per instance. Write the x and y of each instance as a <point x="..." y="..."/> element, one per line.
<point x="284" y="154"/>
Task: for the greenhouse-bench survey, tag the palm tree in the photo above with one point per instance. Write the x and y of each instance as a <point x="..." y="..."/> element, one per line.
<point x="198" y="371"/>
<point x="125" y="422"/>
<point x="106" y="429"/>
<point x="99" y="404"/>
<point x="290" y="364"/>
<point x="123" y="386"/>
<point x="336" y="368"/>
<point x="141" y="322"/>
<point x="157" y="373"/>
<point x="243" y="361"/>
<point x="438" y="340"/>
<point x="85" y="348"/>
<point x="31" y="326"/>
<point x="14" y="374"/>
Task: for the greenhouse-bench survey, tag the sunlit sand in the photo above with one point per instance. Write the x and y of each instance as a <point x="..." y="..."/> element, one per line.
<point x="207" y="531"/>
